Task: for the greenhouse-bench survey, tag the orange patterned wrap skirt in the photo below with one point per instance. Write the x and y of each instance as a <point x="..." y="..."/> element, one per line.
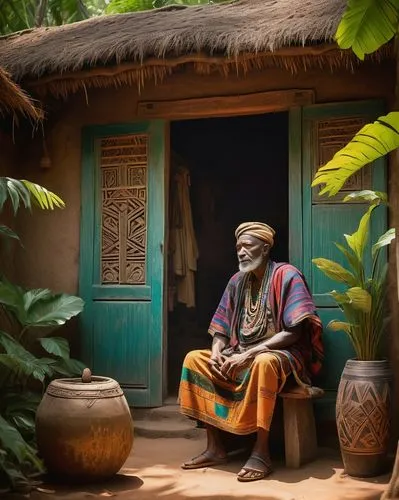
<point x="240" y="405"/>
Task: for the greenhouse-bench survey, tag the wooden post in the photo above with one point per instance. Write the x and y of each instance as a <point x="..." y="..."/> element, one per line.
<point x="299" y="432"/>
<point x="393" y="487"/>
<point x="392" y="493"/>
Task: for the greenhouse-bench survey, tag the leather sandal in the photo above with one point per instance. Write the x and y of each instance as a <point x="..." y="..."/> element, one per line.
<point x="255" y="474"/>
<point x="208" y="461"/>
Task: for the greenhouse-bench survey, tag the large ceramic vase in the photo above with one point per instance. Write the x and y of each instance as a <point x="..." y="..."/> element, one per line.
<point x="84" y="428"/>
<point x="363" y="416"/>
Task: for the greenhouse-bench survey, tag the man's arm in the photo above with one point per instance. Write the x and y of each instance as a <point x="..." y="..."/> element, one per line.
<point x="280" y="340"/>
<point x="219" y="342"/>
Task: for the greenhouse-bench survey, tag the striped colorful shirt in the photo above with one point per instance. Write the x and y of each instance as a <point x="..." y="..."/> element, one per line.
<point x="291" y="305"/>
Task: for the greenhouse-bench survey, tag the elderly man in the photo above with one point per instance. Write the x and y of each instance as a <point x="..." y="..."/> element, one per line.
<point x="265" y="330"/>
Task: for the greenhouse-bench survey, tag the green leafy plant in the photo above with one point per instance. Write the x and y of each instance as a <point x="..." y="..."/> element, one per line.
<point x="29" y="357"/>
<point x="123" y="6"/>
<point x="363" y="298"/>
<point x="27" y="194"/>
<point x="367" y="24"/>
<point x="16" y="15"/>
<point x="365" y="27"/>
<point x="373" y="141"/>
<point x="28" y="361"/>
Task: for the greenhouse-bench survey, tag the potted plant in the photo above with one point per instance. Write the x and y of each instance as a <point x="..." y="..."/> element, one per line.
<point x="363" y="399"/>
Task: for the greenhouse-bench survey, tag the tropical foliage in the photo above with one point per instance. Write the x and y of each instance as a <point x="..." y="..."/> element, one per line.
<point x="29" y="357"/>
<point x="122" y="6"/>
<point x="365" y="27"/>
<point x="27" y="194"/>
<point x="373" y="141"/>
<point x="28" y="360"/>
<point x="363" y="298"/>
<point x="16" y="15"/>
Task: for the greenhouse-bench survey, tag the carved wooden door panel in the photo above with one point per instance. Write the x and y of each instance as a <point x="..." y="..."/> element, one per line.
<point x="122" y="261"/>
<point x="323" y="221"/>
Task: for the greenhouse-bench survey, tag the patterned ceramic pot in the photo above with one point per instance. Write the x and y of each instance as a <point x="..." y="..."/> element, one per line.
<point x="363" y="416"/>
<point x="84" y="428"/>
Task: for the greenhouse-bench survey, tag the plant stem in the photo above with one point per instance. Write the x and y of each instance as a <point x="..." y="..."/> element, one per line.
<point x="24" y="329"/>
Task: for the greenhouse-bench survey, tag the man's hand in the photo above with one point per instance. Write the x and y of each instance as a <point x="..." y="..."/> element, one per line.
<point x="217" y="358"/>
<point x="232" y="363"/>
<point x="216" y="361"/>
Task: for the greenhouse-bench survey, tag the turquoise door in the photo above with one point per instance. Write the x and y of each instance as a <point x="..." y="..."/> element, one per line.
<point x="122" y="259"/>
<point x="316" y="222"/>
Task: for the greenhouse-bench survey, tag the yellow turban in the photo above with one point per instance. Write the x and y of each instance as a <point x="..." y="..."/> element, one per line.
<point x="257" y="229"/>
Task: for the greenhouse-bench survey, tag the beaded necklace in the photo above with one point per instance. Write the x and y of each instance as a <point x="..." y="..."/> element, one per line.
<point x="254" y="315"/>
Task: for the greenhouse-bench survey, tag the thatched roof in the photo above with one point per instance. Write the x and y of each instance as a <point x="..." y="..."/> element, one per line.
<point x="245" y="33"/>
<point x="13" y="100"/>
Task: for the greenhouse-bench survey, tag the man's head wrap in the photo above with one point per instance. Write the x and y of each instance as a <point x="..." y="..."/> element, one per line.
<point x="258" y="229"/>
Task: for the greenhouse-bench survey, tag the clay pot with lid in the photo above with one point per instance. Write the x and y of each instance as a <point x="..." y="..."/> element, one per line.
<point x="84" y="428"/>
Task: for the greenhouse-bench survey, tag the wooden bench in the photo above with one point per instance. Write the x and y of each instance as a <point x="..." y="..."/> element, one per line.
<point x="299" y="424"/>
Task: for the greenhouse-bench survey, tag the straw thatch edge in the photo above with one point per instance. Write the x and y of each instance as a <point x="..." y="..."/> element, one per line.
<point x="15" y="101"/>
<point x="293" y="59"/>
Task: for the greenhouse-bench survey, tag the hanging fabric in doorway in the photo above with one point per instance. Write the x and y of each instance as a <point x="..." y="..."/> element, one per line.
<point x="183" y="244"/>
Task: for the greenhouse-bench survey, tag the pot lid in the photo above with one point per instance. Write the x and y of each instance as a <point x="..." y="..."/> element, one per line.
<point x="87" y="386"/>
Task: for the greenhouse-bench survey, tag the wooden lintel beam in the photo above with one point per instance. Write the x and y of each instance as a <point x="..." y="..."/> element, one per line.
<point x="206" y="107"/>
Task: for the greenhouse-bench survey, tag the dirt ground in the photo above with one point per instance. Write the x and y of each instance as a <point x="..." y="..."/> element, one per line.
<point x="153" y="471"/>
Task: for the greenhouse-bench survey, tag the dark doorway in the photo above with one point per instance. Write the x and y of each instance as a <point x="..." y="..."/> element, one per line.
<point x="238" y="172"/>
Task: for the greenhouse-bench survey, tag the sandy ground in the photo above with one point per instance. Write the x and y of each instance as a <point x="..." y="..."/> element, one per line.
<point x="153" y="471"/>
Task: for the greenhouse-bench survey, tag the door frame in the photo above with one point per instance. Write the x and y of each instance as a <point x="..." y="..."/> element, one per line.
<point x="157" y="241"/>
<point x="300" y="199"/>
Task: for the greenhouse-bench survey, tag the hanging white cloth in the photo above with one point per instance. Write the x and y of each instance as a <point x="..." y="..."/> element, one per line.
<point x="183" y="243"/>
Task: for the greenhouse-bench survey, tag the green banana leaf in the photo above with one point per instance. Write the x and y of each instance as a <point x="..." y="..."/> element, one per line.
<point x="367" y="25"/>
<point x="337" y="326"/>
<point x="360" y="298"/>
<point x="354" y="264"/>
<point x="6" y="232"/>
<point x="42" y="197"/>
<point x="383" y="241"/>
<point x="335" y="271"/>
<point x="26" y="193"/>
<point x="356" y="296"/>
<point x="373" y="141"/>
<point x="371" y="197"/>
<point x="357" y="240"/>
<point x="340" y="298"/>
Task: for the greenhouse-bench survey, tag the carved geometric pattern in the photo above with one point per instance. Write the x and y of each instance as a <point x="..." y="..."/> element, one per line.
<point x="331" y="136"/>
<point x="363" y="419"/>
<point x="123" y="166"/>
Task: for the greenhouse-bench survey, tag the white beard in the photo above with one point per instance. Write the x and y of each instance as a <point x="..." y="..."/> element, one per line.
<point x="247" y="267"/>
